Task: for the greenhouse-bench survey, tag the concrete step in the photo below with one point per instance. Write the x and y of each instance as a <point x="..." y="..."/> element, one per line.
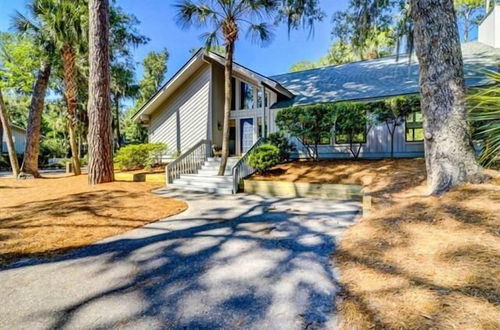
<point x="216" y="168"/>
<point x="196" y="183"/>
<point x="212" y="190"/>
<point x="206" y="178"/>
<point x="213" y="172"/>
<point x="230" y="159"/>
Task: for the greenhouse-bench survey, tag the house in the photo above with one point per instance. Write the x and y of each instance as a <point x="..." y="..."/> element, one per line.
<point x="189" y="107"/>
<point x="19" y="137"/>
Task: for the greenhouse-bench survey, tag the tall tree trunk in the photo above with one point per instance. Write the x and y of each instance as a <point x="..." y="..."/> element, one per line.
<point x="449" y="153"/>
<point x="100" y="137"/>
<point x="228" y="73"/>
<point x="32" y="150"/>
<point x="4" y="119"/>
<point x="70" y="88"/>
<point x="117" y="122"/>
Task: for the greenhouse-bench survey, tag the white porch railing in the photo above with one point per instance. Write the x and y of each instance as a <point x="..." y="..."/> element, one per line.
<point x="190" y="161"/>
<point x="241" y="169"/>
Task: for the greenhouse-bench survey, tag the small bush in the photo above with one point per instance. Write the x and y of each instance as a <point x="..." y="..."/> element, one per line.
<point x="264" y="157"/>
<point x="281" y="142"/>
<point x="138" y="156"/>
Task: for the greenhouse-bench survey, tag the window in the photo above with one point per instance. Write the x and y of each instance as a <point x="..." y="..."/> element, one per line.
<point x="259" y="99"/>
<point x="343" y="138"/>
<point x="325" y="140"/>
<point x="414" y="130"/>
<point x="246" y="96"/>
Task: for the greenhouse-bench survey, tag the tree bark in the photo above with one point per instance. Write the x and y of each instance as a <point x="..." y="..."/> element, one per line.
<point x="449" y="153"/>
<point x="117" y="122"/>
<point x="4" y="119"/>
<point x="32" y="150"/>
<point x="100" y="137"/>
<point x="228" y="73"/>
<point x="70" y="88"/>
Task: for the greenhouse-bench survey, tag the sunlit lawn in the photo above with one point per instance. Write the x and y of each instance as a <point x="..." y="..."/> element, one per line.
<point x="416" y="262"/>
<point x="52" y="215"/>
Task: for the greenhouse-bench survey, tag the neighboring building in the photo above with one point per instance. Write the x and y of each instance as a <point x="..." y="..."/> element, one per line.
<point x="190" y="106"/>
<point x="19" y="137"/>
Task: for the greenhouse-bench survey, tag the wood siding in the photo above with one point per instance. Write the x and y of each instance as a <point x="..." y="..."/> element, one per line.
<point x="378" y="144"/>
<point x="19" y="138"/>
<point x="183" y="119"/>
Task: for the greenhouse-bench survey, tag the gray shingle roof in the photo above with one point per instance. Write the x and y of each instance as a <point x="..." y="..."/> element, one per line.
<point x="377" y="78"/>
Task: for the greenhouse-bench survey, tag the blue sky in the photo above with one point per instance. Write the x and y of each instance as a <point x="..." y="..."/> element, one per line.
<point x="158" y="23"/>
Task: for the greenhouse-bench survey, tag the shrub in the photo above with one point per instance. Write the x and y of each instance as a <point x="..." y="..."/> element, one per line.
<point x="281" y="142"/>
<point x="264" y="157"/>
<point x="312" y="124"/>
<point x="138" y="156"/>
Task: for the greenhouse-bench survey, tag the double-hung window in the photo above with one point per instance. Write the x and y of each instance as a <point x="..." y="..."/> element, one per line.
<point x="414" y="128"/>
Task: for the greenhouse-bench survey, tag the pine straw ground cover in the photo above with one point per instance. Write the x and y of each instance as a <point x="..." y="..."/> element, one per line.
<point x="416" y="262"/>
<point x="43" y="217"/>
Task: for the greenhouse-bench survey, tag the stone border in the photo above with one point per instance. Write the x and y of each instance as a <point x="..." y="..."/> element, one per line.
<point x="140" y="177"/>
<point x="311" y="190"/>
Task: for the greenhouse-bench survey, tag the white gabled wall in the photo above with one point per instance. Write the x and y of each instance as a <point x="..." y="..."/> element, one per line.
<point x="183" y="119"/>
<point x="489" y="28"/>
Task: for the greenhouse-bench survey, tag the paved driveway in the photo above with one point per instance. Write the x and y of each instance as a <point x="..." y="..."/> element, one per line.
<point x="227" y="262"/>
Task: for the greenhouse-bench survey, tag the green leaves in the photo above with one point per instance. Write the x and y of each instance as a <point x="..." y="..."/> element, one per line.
<point x="257" y="17"/>
<point x="19" y="60"/>
<point x="485" y="116"/>
<point x="264" y="157"/>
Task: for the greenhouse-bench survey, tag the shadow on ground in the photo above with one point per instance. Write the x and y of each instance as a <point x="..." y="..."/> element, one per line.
<point x="228" y="262"/>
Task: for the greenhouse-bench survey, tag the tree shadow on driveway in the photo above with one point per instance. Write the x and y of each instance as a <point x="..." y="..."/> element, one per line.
<point x="228" y="262"/>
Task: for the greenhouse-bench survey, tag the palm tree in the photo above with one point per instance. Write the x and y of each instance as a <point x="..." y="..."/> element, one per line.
<point x="5" y="124"/>
<point x="60" y="24"/>
<point x="32" y="26"/>
<point x="225" y="19"/>
<point x="99" y="107"/>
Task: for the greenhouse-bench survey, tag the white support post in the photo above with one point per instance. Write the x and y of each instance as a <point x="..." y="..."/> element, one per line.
<point x="263" y="90"/>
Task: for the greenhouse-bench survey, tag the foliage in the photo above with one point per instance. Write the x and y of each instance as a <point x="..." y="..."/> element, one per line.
<point x="485" y="115"/>
<point x="469" y="12"/>
<point x="351" y="119"/>
<point x="342" y="51"/>
<point x="264" y="157"/>
<point x="310" y="124"/>
<point x="138" y="156"/>
<point x="5" y="162"/>
<point x="393" y="111"/>
<point x="281" y="142"/>
<point x="18" y="62"/>
<point x="155" y="69"/>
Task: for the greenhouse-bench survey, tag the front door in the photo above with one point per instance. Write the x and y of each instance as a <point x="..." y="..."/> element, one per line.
<point x="246" y="129"/>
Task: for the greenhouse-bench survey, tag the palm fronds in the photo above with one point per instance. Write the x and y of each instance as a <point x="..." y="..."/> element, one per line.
<point x="484" y="116"/>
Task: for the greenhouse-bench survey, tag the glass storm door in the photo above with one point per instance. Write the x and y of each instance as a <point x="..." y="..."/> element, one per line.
<point x="246" y="129"/>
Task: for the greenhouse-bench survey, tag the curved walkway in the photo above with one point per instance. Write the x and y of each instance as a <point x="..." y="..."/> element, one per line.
<point x="229" y="262"/>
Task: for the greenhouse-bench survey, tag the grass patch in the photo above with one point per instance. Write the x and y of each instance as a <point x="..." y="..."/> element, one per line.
<point x="43" y="217"/>
<point x="416" y="262"/>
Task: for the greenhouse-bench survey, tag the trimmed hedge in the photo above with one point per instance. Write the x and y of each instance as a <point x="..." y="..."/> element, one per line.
<point x="264" y="157"/>
<point x="138" y="156"/>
